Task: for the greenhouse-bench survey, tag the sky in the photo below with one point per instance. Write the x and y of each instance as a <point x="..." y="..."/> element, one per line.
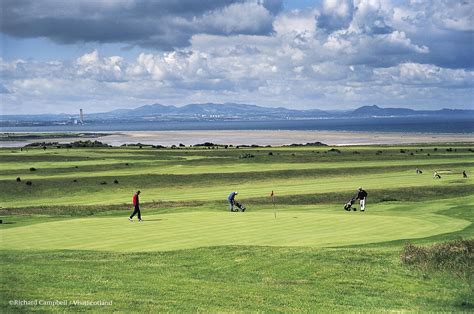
<point x="58" y="56"/>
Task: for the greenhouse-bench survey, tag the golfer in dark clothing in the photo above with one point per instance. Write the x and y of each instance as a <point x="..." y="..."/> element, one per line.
<point x="231" y="200"/>
<point x="362" y="196"/>
<point x="136" y="204"/>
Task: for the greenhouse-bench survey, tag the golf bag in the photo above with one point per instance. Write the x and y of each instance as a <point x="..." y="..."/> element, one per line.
<point x="238" y="207"/>
<point x="348" y="205"/>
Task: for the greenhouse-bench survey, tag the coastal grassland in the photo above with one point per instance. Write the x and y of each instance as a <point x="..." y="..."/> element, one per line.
<point x="66" y="236"/>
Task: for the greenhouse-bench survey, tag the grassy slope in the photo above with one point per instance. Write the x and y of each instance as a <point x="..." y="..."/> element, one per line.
<point x="226" y="278"/>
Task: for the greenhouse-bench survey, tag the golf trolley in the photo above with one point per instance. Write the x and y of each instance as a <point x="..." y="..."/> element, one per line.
<point x="238" y="207"/>
<point x="348" y="205"/>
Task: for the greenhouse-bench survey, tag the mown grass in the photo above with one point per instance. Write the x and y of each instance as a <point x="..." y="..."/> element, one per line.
<point x="227" y="279"/>
<point x="368" y="277"/>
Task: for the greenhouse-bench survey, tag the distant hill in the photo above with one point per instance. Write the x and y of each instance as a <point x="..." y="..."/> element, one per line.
<point x="376" y="111"/>
<point x="210" y="111"/>
<point x="226" y="111"/>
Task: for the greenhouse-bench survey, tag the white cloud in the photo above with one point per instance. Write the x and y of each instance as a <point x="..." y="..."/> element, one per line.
<point x="342" y="54"/>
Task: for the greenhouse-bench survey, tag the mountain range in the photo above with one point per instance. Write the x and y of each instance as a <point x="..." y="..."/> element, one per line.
<point x="230" y="111"/>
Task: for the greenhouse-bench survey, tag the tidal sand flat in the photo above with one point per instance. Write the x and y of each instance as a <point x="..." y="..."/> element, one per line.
<point x="256" y="137"/>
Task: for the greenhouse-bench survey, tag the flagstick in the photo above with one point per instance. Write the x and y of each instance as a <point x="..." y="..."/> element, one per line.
<point x="274" y="208"/>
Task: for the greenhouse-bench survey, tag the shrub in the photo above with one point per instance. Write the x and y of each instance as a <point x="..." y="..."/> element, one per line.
<point x="455" y="256"/>
<point x="29" y="183"/>
<point x="334" y="150"/>
<point x="32" y="169"/>
<point x="205" y="144"/>
<point x="116" y="181"/>
<point x="18" y="179"/>
<point x="270" y="153"/>
<point x="246" y="155"/>
<point x="103" y="182"/>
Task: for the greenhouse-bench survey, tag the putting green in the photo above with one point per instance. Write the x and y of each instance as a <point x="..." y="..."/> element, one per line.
<point x="198" y="229"/>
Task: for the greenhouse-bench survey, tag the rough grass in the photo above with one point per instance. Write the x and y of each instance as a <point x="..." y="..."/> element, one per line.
<point x="456" y="257"/>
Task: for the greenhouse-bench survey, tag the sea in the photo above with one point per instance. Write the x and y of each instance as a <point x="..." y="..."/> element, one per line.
<point x="423" y="124"/>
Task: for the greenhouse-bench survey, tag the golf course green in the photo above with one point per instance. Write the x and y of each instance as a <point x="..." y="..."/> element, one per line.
<point x="65" y="235"/>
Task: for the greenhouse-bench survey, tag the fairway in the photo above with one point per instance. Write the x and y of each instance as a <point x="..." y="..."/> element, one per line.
<point x="200" y="229"/>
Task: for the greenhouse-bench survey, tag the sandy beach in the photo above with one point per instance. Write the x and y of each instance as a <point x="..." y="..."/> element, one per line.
<point x="262" y="137"/>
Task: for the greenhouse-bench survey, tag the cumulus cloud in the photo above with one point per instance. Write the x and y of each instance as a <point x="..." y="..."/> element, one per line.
<point x="342" y="53"/>
<point x="148" y="23"/>
<point x="335" y="14"/>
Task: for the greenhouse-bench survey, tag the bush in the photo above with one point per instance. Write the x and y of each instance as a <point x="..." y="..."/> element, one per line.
<point x="307" y="144"/>
<point x="334" y="150"/>
<point x="270" y="153"/>
<point x="103" y="182"/>
<point x="246" y="155"/>
<point x="32" y="169"/>
<point x="29" y="183"/>
<point x="205" y="144"/>
<point x="18" y="179"/>
<point x="455" y="256"/>
<point x="116" y="181"/>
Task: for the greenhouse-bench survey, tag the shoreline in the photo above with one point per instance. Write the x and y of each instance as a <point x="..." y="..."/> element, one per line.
<point x="253" y="137"/>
